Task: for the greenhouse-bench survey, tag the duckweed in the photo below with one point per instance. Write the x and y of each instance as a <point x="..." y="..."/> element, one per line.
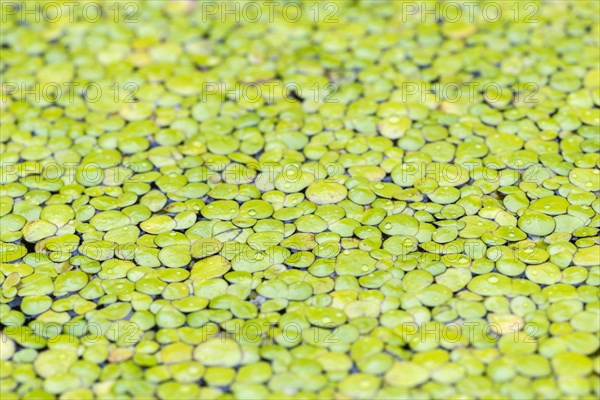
<point x="312" y="206"/>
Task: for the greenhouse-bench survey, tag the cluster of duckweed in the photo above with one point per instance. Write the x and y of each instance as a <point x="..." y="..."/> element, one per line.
<point x="357" y="240"/>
